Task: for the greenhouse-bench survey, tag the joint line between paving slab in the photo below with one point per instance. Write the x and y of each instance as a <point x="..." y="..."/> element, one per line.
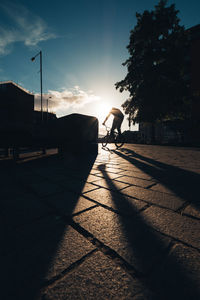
<point x="74" y="265"/>
<point x="143" y="200"/>
<point x="99" y="175"/>
<point x="112" y="209"/>
<point x="85" y="210"/>
<point x="180" y="209"/>
<point x="151" y="185"/>
<point x="112" y="254"/>
<point x="114" y="189"/>
<point x="176" y="240"/>
<point x="190" y="216"/>
<point x="120" y="192"/>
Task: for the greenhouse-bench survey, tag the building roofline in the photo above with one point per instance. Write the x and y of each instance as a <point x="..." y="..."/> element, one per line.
<point x="194" y="28"/>
<point x="17" y="85"/>
<point x="194" y="32"/>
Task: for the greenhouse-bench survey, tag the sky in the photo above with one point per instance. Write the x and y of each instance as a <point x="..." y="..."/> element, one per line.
<point x="83" y="44"/>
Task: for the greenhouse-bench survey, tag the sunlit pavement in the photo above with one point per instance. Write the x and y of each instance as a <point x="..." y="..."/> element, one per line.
<point x="122" y="225"/>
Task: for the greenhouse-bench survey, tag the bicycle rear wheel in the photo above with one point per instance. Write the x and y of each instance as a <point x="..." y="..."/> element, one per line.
<point x="119" y="142"/>
<point x="105" y="141"/>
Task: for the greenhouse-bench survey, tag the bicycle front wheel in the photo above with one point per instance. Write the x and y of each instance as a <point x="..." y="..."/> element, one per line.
<point x="119" y="142"/>
<point x="105" y="141"/>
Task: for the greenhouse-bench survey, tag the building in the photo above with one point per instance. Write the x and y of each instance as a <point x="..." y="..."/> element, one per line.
<point x="16" y="107"/>
<point x="47" y="117"/>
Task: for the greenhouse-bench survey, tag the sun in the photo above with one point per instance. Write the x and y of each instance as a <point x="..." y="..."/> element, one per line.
<point x="102" y="110"/>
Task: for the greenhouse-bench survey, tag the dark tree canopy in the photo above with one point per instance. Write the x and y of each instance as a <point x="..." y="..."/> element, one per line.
<point x="156" y="67"/>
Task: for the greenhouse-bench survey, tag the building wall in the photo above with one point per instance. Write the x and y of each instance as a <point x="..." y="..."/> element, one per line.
<point x="16" y="106"/>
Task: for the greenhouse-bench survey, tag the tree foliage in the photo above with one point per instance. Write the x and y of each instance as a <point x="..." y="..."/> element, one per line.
<point x="156" y="66"/>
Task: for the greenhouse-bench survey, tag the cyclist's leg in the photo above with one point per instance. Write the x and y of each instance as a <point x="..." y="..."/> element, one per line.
<point x="114" y="126"/>
<point x="119" y="140"/>
<point x="118" y="125"/>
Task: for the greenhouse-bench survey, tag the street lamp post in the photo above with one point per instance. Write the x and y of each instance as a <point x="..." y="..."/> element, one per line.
<point x="48" y="107"/>
<point x="33" y="58"/>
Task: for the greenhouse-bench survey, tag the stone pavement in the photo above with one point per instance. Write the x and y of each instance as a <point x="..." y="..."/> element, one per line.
<point x="122" y="225"/>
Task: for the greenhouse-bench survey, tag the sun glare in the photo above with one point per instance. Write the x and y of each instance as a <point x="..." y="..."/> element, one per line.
<point x="102" y="109"/>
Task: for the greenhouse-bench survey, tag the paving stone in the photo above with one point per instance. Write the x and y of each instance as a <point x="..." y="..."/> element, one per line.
<point x="42" y="251"/>
<point x="135" y="181"/>
<point x="28" y="177"/>
<point x="175" y="225"/>
<point x="131" y="238"/>
<point x="163" y="189"/>
<point x="145" y="295"/>
<point x="161" y="199"/>
<point x="178" y="276"/>
<point x="37" y="245"/>
<point x="113" y="165"/>
<point x="44" y="188"/>
<point x="137" y="174"/>
<point x="89" y="187"/>
<point x="116" y="200"/>
<point x="97" y="277"/>
<point x="71" y="184"/>
<point x="69" y="203"/>
<point x="111" y="184"/>
<point x="192" y="211"/>
<point x="76" y="185"/>
<point x="171" y="189"/>
<point x="61" y="176"/>
<point x="109" y="175"/>
<point x="92" y="178"/>
<point x="113" y="169"/>
<point x="95" y="172"/>
<point x="20" y="209"/>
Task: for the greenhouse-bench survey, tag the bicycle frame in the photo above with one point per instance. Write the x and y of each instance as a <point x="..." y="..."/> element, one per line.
<point x="118" y="140"/>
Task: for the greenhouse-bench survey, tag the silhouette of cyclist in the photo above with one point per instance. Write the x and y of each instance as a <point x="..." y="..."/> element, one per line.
<point x="117" y="121"/>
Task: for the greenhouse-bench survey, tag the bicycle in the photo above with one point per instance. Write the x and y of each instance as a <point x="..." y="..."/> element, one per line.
<point x="115" y="138"/>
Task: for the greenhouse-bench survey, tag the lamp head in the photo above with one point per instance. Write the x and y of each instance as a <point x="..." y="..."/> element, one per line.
<point x="33" y="58"/>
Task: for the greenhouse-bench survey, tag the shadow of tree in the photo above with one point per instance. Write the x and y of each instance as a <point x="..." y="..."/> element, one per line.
<point x="183" y="183"/>
<point x="148" y="252"/>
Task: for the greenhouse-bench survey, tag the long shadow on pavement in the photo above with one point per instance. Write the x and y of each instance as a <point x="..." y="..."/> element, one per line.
<point x="148" y="252"/>
<point x="183" y="183"/>
<point x="36" y="244"/>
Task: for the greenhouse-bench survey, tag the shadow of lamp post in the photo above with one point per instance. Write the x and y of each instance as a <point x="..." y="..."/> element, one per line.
<point x="33" y="58"/>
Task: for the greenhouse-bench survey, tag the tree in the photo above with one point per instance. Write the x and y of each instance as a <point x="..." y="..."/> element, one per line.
<point x="156" y="67"/>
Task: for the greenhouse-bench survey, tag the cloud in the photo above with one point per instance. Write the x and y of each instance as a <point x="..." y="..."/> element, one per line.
<point x="60" y="102"/>
<point x="24" y="27"/>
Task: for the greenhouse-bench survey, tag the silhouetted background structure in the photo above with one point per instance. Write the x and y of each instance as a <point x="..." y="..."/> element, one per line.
<point x="21" y="126"/>
<point x="181" y="131"/>
<point x="194" y="57"/>
<point x="16" y="106"/>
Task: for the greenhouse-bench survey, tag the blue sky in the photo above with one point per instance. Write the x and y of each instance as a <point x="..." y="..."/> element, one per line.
<point x="83" y="43"/>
